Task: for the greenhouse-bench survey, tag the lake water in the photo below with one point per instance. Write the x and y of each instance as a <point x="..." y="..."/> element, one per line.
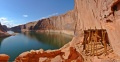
<point x="15" y="45"/>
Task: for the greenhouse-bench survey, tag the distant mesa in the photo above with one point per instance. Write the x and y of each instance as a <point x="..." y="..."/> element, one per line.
<point x="3" y="31"/>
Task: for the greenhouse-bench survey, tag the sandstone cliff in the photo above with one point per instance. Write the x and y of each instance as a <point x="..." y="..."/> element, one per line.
<point x="100" y="14"/>
<point x="65" y="22"/>
<point x="25" y="27"/>
<point x="28" y="26"/>
<point x="61" y="22"/>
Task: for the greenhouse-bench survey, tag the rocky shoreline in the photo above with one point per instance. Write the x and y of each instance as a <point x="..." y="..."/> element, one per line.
<point x="67" y="53"/>
<point x="4" y="34"/>
<point x="4" y="58"/>
<point x="70" y="52"/>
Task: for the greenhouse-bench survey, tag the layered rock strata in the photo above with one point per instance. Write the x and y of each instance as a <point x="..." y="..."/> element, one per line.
<point x="65" y="22"/>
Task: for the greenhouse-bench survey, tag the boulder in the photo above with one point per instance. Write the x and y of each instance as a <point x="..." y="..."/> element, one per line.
<point x="4" y="58"/>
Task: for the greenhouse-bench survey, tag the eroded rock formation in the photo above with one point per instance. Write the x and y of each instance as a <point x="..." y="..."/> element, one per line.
<point x="100" y="14"/>
<point x="4" y="58"/>
<point x="50" y="56"/>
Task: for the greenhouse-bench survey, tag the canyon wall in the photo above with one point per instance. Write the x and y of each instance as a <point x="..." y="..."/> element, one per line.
<point x="61" y="22"/>
<point x="25" y="27"/>
<point x="64" y="23"/>
<point x="17" y="28"/>
<point x="100" y="14"/>
<point x="29" y="26"/>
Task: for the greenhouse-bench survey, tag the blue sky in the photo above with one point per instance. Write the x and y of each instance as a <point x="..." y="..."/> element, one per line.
<point x="15" y="12"/>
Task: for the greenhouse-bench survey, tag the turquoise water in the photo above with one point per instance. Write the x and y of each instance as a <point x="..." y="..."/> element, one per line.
<point x="14" y="45"/>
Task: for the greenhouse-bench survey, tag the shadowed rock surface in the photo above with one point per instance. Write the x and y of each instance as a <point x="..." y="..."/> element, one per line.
<point x="2" y="29"/>
<point x="3" y="32"/>
<point x="25" y="27"/>
<point x="5" y="27"/>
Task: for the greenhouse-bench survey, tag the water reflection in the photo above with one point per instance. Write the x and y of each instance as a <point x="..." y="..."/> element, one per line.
<point x="15" y="45"/>
<point x="1" y="39"/>
<point x="53" y="39"/>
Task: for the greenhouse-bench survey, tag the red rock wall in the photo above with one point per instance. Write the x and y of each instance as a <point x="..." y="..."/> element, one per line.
<point x="25" y="27"/>
<point x="61" y="22"/>
<point x="30" y="25"/>
<point x="100" y="14"/>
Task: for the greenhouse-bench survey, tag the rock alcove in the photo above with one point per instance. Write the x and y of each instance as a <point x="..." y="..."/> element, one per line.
<point x="116" y="10"/>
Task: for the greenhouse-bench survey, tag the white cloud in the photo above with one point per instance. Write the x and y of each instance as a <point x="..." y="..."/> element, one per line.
<point x="3" y="19"/>
<point x="8" y="23"/>
<point x="25" y="15"/>
<point x="52" y="14"/>
<point x="49" y="15"/>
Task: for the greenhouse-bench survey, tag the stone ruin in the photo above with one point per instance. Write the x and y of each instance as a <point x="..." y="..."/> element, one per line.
<point x="96" y="42"/>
